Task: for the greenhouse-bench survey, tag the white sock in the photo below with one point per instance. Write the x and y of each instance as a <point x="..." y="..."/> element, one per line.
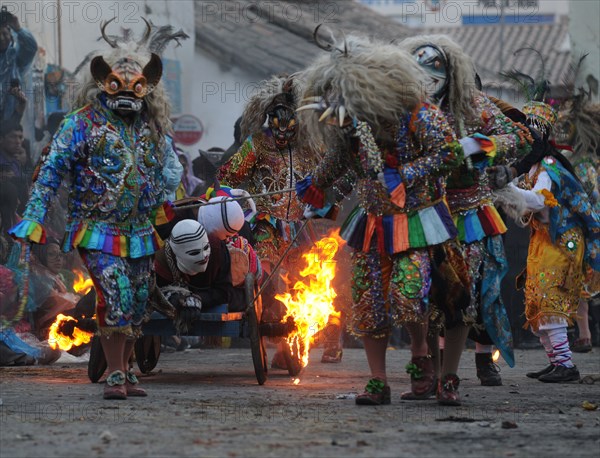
<point x="560" y="346"/>
<point x="545" y="341"/>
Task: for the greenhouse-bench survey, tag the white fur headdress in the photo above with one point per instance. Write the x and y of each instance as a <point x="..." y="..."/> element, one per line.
<point x="375" y="82"/>
<point x="462" y="88"/>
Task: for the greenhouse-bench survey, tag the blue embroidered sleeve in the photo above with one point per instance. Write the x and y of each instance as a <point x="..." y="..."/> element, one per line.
<point x="172" y="170"/>
<point x="59" y="162"/>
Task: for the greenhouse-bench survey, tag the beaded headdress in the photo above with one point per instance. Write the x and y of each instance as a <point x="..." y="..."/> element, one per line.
<point x="539" y="114"/>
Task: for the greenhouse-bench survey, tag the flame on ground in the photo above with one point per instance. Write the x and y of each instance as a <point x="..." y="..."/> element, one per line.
<point x="82" y="285"/>
<point x="57" y="339"/>
<point x="312" y="301"/>
<point x="496" y="355"/>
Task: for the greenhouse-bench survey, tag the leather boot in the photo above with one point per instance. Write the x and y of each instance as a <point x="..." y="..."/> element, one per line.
<point x="487" y="371"/>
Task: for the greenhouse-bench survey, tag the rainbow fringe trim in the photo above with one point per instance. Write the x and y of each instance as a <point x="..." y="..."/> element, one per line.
<point x="29" y="230"/>
<point x="123" y="240"/>
<point x="397" y="233"/>
<point x="478" y="223"/>
<point x="163" y="214"/>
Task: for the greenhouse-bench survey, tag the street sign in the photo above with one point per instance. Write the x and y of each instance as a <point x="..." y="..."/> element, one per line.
<point x="188" y="130"/>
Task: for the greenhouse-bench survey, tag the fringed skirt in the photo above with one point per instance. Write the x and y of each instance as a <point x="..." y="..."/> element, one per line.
<point x="397" y="233"/>
<point x="555" y="276"/>
<point x="122" y="290"/>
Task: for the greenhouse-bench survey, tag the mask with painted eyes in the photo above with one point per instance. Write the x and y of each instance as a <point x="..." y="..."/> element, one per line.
<point x="433" y="60"/>
<point x="126" y="83"/>
<point x="190" y="245"/>
<point x="283" y="125"/>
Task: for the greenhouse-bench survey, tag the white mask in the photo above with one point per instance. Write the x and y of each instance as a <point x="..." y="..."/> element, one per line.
<point x="190" y="245"/>
<point x="221" y="220"/>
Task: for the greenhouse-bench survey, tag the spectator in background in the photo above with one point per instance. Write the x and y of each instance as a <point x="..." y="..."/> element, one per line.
<point x="237" y="142"/>
<point x="16" y="53"/>
<point x="12" y="157"/>
<point x="9" y="201"/>
<point x="204" y="169"/>
<point x="188" y="180"/>
<point x="54" y="89"/>
<point x="53" y="286"/>
<point x="11" y="143"/>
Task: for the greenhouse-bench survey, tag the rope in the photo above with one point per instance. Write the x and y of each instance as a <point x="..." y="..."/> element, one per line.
<point x="251" y="196"/>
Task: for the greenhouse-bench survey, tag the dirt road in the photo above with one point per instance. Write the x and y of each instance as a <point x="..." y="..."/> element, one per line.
<point x="207" y="403"/>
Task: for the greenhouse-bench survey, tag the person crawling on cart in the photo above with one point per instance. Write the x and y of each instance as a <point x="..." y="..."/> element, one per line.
<point x="193" y="272"/>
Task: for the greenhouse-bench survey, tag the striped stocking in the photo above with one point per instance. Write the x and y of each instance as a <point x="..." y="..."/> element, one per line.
<point x="560" y="346"/>
<point x="545" y="341"/>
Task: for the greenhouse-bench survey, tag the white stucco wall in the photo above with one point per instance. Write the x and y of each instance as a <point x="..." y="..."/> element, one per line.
<point x="218" y="97"/>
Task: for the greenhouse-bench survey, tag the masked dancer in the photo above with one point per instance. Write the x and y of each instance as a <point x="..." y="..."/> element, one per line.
<point x="494" y="139"/>
<point x="270" y="159"/>
<point x="114" y="152"/>
<point x="373" y="119"/>
<point x="564" y="244"/>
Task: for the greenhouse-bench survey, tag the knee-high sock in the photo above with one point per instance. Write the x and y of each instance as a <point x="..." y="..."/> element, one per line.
<point x="560" y="346"/>
<point x="375" y="349"/>
<point x="545" y="341"/>
<point x="455" y="343"/>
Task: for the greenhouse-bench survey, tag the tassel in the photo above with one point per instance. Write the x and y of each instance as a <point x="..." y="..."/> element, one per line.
<point x="310" y="194"/>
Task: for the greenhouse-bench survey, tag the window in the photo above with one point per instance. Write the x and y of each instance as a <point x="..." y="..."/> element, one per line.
<point x="527" y="3"/>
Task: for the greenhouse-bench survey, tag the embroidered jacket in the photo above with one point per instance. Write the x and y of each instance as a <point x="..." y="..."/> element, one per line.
<point x="118" y="184"/>
<point x="260" y="167"/>
<point x="468" y="190"/>
<point x="401" y="191"/>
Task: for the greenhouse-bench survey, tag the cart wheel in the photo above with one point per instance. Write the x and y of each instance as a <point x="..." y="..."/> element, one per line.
<point x="97" y="363"/>
<point x="257" y="344"/>
<point x="147" y="351"/>
<point x="294" y="365"/>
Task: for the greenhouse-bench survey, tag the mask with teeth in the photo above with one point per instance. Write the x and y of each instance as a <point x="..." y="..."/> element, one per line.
<point x="126" y="83"/>
<point x="283" y="125"/>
